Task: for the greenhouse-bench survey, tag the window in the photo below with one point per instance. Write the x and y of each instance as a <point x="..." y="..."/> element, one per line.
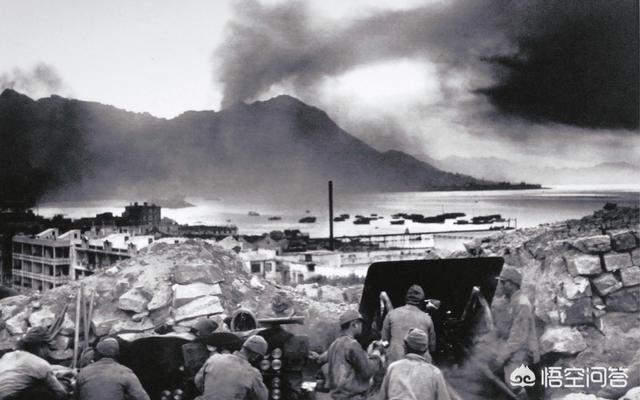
<point x="311" y="267"/>
<point x="268" y="266"/>
<point x="308" y="257"/>
<point x="256" y="268"/>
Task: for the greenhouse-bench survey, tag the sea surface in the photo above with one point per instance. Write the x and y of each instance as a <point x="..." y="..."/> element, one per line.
<point x="524" y="208"/>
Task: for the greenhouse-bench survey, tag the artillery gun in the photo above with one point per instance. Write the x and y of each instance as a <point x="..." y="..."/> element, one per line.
<point x="166" y="364"/>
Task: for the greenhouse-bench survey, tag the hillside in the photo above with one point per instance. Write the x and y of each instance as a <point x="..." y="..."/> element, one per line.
<point x="65" y="148"/>
<point x="494" y="168"/>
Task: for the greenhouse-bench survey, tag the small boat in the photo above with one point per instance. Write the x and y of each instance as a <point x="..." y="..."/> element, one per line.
<point x="275" y="218"/>
<point x="307" y="220"/>
<point x="344" y="216"/>
<point x="254" y="214"/>
<point x="338" y="219"/>
<point x="485" y="219"/>
<point x="415" y="217"/>
<point x="452" y="215"/>
<point x="362" y="221"/>
<point x="397" y="222"/>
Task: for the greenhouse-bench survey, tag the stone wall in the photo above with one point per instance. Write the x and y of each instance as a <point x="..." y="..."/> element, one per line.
<point x="583" y="278"/>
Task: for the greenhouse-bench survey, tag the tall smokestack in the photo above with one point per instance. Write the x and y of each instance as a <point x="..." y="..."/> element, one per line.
<point x="331" y="216"/>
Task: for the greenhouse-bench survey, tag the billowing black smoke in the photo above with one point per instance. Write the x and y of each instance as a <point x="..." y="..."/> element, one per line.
<point x="573" y="62"/>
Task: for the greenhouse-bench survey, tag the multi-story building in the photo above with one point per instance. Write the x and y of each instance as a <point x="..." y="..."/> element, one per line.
<point x="90" y="255"/>
<point x="202" y="231"/>
<point x="142" y="215"/>
<point x="42" y="261"/>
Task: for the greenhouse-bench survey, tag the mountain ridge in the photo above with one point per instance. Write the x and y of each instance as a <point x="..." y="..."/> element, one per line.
<point x="277" y="147"/>
<point x="495" y="168"/>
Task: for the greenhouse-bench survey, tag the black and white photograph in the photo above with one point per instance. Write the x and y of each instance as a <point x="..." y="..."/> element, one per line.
<point x="320" y="200"/>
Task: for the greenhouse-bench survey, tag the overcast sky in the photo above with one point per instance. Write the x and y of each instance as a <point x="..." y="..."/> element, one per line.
<point x="537" y="81"/>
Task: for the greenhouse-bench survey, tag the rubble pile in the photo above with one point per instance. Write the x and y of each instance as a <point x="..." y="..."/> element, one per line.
<point x="167" y="287"/>
<point x="583" y="278"/>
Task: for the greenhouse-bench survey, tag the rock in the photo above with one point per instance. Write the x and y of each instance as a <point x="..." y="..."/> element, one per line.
<point x="623" y="241"/>
<point x="130" y="337"/>
<point x="9" y="311"/>
<point x="635" y="256"/>
<point x="578" y="396"/>
<point x="68" y="326"/>
<point x="61" y="355"/>
<point x="120" y="287"/>
<point x="17" y="325"/>
<point x="200" y="307"/>
<point x="606" y="283"/>
<point x="331" y="294"/>
<point x="255" y="283"/>
<point x="112" y="271"/>
<point x="575" y="288"/>
<point x="625" y="300"/>
<point x="131" y="326"/>
<point x="352" y="294"/>
<point x="620" y="334"/>
<point x="309" y="290"/>
<point x="161" y="298"/>
<point x="182" y="294"/>
<point x="593" y="244"/>
<point x="11" y="306"/>
<point x="181" y="329"/>
<point x="584" y="265"/>
<point x="597" y="303"/>
<point x="562" y="340"/>
<point x="190" y="273"/>
<point x="61" y="342"/>
<point x="140" y="316"/>
<point x="630" y="276"/>
<point x="579" y="312"/>
<point x="615" y="261"/>
<point x="632" y="394"/>
<point x="7" y="342"/>
<point x="19" y="300"/>
<point x="548" y="288"/>
<point x="239" y="286"/>
<point x="45" y="317"/>
<point x="102" y="324"/>
<point x="135" y="300"/>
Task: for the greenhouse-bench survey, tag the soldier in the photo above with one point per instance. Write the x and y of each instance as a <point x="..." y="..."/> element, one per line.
<point x="521" y="342"/>
<point x="106" y="379"/>
<point x="398" y="322"/>
<point x="25" y="374"/>
<point x="349" y="366"/>
<point x="414" y="377"/>
<point x="232" y="376"/>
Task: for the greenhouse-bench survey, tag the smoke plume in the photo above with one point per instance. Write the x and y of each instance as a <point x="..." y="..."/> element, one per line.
<point x="573" y="62"/>
<point x="41" y="80"/>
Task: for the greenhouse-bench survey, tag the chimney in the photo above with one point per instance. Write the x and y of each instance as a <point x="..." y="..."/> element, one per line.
<point x="331" y="246"/>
